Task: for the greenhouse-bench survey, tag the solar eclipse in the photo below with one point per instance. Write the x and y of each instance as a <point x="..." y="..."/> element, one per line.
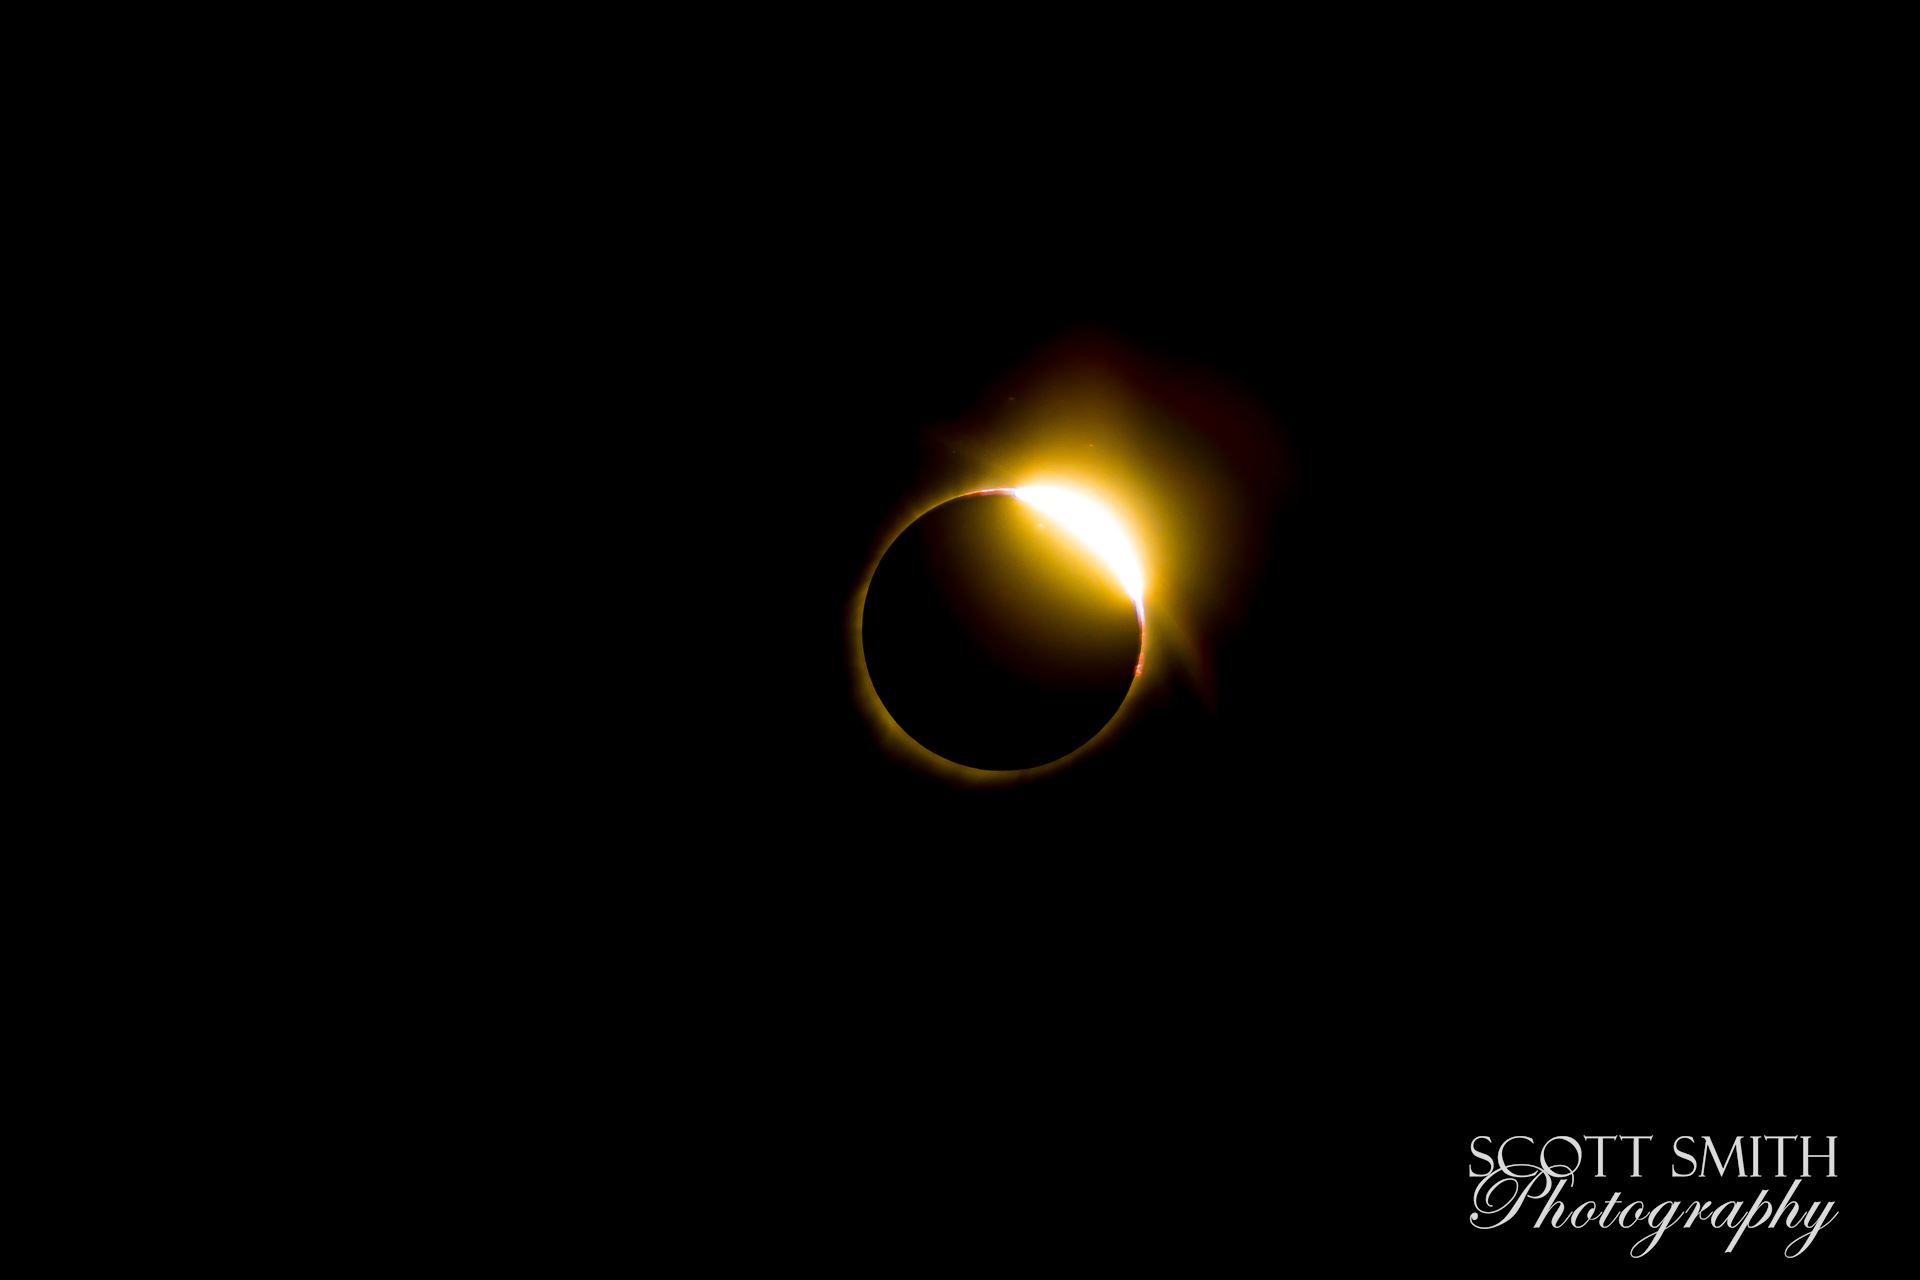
<point x="1002" y="629"/>
<point x="998" y="630"/>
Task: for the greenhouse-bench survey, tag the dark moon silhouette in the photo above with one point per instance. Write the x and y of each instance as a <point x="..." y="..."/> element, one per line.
<point x="994" y="637"/>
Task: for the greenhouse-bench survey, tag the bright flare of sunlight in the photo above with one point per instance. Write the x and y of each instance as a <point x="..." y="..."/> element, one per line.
<point x="1093" y="526"/>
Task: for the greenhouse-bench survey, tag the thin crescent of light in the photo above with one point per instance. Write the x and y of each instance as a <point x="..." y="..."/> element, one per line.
<point x="1093" y="526"/>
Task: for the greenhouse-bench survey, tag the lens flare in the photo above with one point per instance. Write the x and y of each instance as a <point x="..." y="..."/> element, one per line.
<point x="1089" y="522"/>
